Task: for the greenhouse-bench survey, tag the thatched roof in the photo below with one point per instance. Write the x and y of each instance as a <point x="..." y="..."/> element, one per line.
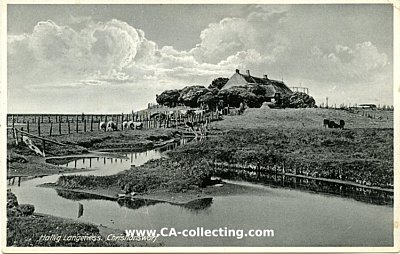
<point x="272" y="86"/>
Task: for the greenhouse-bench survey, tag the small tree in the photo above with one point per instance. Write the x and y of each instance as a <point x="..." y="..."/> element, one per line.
<point x="218" y="83"/>
<point x="210" y="99"/>
<point x="168" y="98"/>
<point x="189" y="95"/>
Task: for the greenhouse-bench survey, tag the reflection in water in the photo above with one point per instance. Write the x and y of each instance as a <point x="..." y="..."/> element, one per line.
<point x="80" y="210"/>
<point x="193" y="206"/>
<point x="198" y="204"/>
<point x="135" y="203"/>
<point x="77" y="196"/>
<point x="371" y="196"/>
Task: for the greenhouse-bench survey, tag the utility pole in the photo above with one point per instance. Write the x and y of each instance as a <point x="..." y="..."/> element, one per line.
<point x="327" y="102"/>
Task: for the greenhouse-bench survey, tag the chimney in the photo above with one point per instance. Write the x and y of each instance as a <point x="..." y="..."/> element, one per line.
<point x="248" y="72"/>
<point x="265" y="76"/>
<point x="237" y="71"/>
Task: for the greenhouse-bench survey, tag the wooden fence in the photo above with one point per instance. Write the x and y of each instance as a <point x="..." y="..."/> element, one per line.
<point x="64" y="124"/>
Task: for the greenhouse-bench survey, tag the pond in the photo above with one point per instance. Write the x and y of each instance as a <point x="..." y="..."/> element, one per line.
<point x="298" y="218"/>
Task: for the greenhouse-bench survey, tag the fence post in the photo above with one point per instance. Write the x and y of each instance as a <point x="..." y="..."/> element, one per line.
<point x="69" y="127"/>
<point x="59" y="126"/>
<point x="51" y="128"/>
<point x="91" y="124"/>
<point x="77" y="126"/>
<point x="38" y="126"/>
<point x="27" y="126"/>
<point x="13" y="122"/>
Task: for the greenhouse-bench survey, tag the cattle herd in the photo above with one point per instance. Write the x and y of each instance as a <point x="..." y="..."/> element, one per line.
<point x="157" y="116"/>
<point x="332" y="124"/>
<point x="112" y="126"/>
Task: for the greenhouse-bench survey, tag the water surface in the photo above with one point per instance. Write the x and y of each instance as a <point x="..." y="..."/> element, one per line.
<point x="298" y="218"/>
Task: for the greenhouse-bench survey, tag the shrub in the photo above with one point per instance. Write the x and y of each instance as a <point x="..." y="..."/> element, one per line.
<point x="297" y="100"/>
<point x="168" y="98"/>
<point x="27" y="209"/>
<point x="218" y="83"/>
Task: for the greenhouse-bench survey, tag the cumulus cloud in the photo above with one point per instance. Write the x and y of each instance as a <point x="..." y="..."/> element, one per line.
<point x="257" y="31"/>
<point x="223" y="39"/>
<point x="102" y="49"/>
<point x="115" y="52"/>
<point x="89" y="54"/>
<point x="360" y="63"/>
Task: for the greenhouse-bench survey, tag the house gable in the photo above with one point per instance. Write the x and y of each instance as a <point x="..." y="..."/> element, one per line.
<point x="236" y="80"/>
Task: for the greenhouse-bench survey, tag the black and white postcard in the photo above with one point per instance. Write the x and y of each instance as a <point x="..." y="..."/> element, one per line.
<point x="213" y="126"/>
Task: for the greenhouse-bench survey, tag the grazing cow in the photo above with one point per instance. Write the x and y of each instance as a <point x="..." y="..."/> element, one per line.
<point x="341" y="124"/>
<point x="335" y="125"/>
<point x="125" y="125"/>
<point x="135" y="125"/>
<point x="326" y="123"/>
<point x="111" y="126"/>
<point x="158" y="116"/>
<point x="102" y="126"/>
<point x="331" y="124"/>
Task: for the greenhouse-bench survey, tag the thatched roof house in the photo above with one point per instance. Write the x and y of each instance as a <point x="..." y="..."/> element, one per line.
<point x="274" y="88"/>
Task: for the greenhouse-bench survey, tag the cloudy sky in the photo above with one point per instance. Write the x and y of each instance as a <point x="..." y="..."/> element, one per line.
<point x="115" y="58"/>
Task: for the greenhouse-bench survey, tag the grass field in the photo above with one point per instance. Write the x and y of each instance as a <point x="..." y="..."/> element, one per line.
<point x="362" y="152"/>
<point x="306" y="118"/>
<point x="294" y="139"/>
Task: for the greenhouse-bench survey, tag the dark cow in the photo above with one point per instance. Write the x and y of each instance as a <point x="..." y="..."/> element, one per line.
<point x="326" y="122"/>
<point x="341" y="124"/>
<point x="335" y="125"/>
<point x="332" y="124"/>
